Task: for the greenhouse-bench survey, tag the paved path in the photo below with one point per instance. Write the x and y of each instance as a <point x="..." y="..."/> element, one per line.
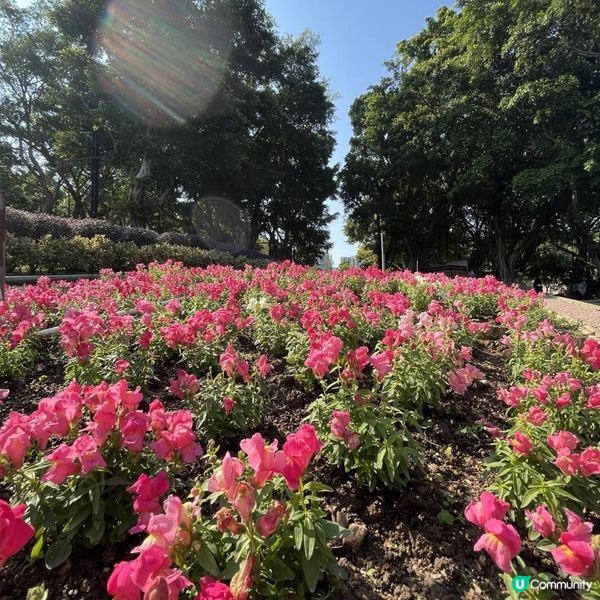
<point x="586" y="313"/>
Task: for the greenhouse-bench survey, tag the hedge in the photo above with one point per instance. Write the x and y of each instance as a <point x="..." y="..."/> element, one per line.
<point x="38" y="225"/>
<point x="88" y="255"/>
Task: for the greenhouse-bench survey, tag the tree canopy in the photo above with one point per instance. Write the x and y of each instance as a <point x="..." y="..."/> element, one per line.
<point x="192" y="102"/>
<point x="483" y="140"/>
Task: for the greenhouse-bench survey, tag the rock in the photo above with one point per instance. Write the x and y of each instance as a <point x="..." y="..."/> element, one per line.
<point x="341" y="518"/>
<point x="355" y="539"/>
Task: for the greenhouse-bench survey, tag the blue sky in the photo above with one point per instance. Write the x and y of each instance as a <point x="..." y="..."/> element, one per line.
<point x="357" y="36"/>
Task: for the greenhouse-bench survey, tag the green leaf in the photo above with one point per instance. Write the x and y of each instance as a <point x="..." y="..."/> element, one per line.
<point x="207" y="561"/>
<point x="95" y="530"/>
<point x="312" y="571"/>
<point x="298" y="536"/>
<point x="315" y="486"/>
<point x="333" y="530"/>
<point x="36" y="551"/>
<point x="278" y="570"/>
<point x="310" y="538"/>
<point x="530" y="496"/>
<point x="58" y="553"/>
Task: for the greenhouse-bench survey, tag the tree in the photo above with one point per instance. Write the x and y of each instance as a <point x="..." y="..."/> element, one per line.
<point x="192" y="100"/>
<point x="482" y="137"/>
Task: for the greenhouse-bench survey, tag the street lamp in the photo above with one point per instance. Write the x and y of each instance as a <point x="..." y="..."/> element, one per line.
<point x="381" y="242"/>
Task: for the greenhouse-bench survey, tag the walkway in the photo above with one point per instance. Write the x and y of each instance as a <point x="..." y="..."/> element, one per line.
<point x="586" y="313"/>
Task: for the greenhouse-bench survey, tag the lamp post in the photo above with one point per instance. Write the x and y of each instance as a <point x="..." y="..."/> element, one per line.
<point x="377" y="218"/>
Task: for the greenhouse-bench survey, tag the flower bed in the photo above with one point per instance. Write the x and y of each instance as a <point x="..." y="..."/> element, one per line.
<point x="202" y="419"/>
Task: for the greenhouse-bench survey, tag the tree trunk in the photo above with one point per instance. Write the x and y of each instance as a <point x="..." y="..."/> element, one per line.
<point x="137" y="194"/>
<point x="504" y="267"/>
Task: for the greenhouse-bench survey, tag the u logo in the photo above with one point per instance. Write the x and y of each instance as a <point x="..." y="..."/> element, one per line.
<point x="521" y="582"/>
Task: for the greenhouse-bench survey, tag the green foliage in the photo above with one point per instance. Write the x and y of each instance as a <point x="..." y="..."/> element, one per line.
<point x="387" y="449"/>
<point x="89" y="255"/>
<point x="262" y="143"/>
<point x="482" y="141"/>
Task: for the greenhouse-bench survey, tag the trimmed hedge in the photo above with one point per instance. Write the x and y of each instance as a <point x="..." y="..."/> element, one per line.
<point x="38" y="225"/>
<point x="88" y="255"/>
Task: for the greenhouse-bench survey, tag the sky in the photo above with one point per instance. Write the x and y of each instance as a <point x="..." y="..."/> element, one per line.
<point x="357" y="36"/>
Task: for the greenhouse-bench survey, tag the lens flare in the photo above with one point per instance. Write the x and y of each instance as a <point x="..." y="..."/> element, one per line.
<point x="163" y="60"/>
<point x="220" y="220"/>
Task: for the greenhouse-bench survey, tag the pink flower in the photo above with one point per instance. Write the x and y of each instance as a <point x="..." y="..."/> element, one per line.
<point x="541" y="520"/>
<point x="162" y="531"/>
<point x="228" y="360"/>
<point x="491" y="429"/>
<point x="589" y="462"/>
<point x="233" y="364"/>
<point x="129" y="579"/>
<point x="261" y="457"/>
<point x="88" y="454"/>
<point x="224" y="478"/>
<point x="577" y="528"/>
<point x="573" y="556"/>
<point x="211" y="589"/>
<point x="521" y="443"/>
<point x="226" y="521"/>
<point x="594" y="397"/>
<point x="120" y="582"/>
<point x="541" y="393"/>
<point x="352" y="440"/>
<point x="133" y="430"/>
<point x="318" y="361"/>
<point x="64" y="464"/>
<point x="298" y="449"/>
<point x="148" y="491"/>
<point x="339" y="423"/>
<point x="267" y="524"/>
<point x="488" y="507"/>
<point x="243" y="501"/>
<point x="228" y="404"/>
<point x="567" y="461"/>
<point x="563" y="400"/>
<point x="466" y="353"/>
<point x="561" y="440"/>
<point x="145" y="339"/>
<point x="590" y="352"/>
<point x="536" y="416"/>
<point x="121" y="365"/>
<point x="357" y="360"/>
<point x="458" y="382"/>
<point x="501" y="542"/>
<point x="382" y="363"/>
<point x="4" y="393"/>
<point x="15" y="439"/>
<point x="14" y="532"/>
<point x="185" y="385"/>
<point x="263" y="366"/>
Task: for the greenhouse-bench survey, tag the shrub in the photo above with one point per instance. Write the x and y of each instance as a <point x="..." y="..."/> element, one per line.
<point x="88" y="255"/>
<point x="37" y="225"/>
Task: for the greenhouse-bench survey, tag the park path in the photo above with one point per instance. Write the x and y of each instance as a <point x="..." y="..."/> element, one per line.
<point x="586" y="313"/>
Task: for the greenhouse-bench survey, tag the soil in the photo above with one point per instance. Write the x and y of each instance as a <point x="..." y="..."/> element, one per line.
<point x="418" y="544"/>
